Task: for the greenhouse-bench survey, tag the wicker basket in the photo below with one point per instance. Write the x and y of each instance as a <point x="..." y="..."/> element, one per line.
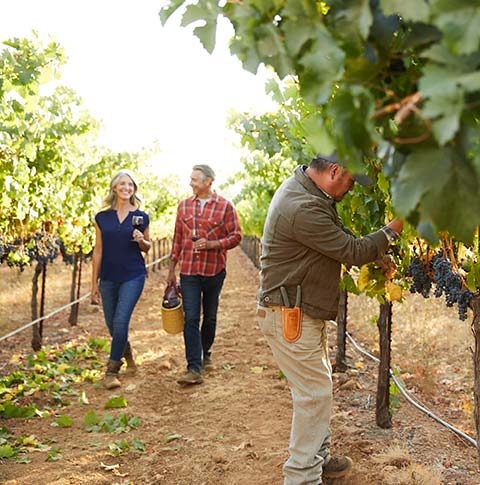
<point x="172" y="319"/>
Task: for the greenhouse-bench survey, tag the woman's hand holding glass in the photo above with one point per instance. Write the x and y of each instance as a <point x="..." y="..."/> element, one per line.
<point x="137" y="223"/>
<point x="137" y="235"/>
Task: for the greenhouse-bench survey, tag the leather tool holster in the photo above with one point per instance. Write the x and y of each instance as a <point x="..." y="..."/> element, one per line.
<point x="291" y="323"/>
<point x="291" y="317"/>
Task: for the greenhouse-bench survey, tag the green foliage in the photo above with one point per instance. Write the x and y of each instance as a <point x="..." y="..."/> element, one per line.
<point x="397" y="80"/>
<point x="278" y="143"/>
<point x="62" y="421"/>
<point x="116" y="402"/>
<point x="53" y="173"/>
<point x="161" y="196"/>
<point x="41" y="137"/>
<point x="394" y="391"/>
<point x="172" y="437"/>
<point x="109" y="424"/>
<point x="51" y="373"/>
<point x="53" y="455"/>
<point x="11" y="447"/>
<point x="120" y="447"/>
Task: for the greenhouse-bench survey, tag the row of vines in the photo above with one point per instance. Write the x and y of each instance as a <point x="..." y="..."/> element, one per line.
<point x="54" y="173"/>
<point x="394" y="87"/>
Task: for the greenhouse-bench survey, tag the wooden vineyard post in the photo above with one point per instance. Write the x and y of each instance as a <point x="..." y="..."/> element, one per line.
<point x="384" y="323"/>
<point x="340" y="356"/>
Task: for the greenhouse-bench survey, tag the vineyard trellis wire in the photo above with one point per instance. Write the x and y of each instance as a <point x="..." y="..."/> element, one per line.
<point x="251" y="245"/>
<point x="162" y="250"/>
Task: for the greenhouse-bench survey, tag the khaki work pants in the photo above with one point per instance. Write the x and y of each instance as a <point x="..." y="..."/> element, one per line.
<point x="307" y="368"/>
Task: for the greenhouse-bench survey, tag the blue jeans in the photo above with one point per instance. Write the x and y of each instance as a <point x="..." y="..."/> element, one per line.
<point x="198" y="291"/>
<point x="118" y="301"/>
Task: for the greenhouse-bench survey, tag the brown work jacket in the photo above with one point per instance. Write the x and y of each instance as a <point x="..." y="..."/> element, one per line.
<point x="304" y="243"/>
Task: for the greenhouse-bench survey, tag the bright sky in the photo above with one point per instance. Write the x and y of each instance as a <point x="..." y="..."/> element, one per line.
<point x="144" y="81"/>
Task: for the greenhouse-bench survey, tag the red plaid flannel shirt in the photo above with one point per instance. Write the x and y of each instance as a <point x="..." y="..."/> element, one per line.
<point x="217" y="222"/>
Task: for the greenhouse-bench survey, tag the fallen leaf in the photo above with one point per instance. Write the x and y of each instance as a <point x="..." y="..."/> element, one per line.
<point x="109" y="468"/>
<point x="256" y="370"/>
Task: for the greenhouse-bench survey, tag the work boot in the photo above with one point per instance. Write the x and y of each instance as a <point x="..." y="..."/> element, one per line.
<point x="337" y="466"/>
<point x="207" y="362"/>
<point x="111" y="376"/>
<point x="190" y="377"/>
<point x="128" y="356"/>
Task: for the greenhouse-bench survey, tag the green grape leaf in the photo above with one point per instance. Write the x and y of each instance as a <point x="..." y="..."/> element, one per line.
<point x="445" y="111"/>
<point x="63" y="421"/>
<point x="438" y="80"/>
<point x="206" y="11"/>
<point x="459" y="23"/>
<point x="473" y="278"/>
<point x="272" y="49"/>
<point x="169" y="9"/>
<point x="460" y="195"/>
<point x="350" y="112"/>
<point x="116" y="402"/>
<point x="297" y="35"/>
<point x="317" y="134"/>
<point x="382" y="183"/>
<point x="416" y="10"/>
<point x="322" y="64"/>
<point x="416" y="176"/>
<point x="354" y="22"/>
<point x="7" y="451"/>
<point x="348" y="283"/>
<point x="427" y="231"/>
<point x="91" y="421"/>
<point x="30" y="151"/>
<point x="420" y="34"/>
<point x="138" y="445"/>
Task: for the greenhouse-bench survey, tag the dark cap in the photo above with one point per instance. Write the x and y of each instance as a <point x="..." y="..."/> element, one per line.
<point x="361" y="178"/>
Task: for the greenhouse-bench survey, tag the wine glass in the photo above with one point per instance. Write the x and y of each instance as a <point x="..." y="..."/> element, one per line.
<point x="194" y="238"/>
<point x="137" y="222"/>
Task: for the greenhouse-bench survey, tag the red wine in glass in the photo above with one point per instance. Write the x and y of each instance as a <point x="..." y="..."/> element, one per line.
<point x="194" y="238"/>
<point x="137" y="223"/>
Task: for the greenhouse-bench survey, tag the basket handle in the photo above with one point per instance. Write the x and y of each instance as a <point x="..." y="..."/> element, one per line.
<point x="172" y="291"/>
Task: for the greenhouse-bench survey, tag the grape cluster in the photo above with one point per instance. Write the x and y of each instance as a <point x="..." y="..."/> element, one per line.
<point x="41" y="247"/>
<point x="449" y="283"/>
<point x="421" y="281"/>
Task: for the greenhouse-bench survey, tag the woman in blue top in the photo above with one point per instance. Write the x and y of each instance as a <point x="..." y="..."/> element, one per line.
<point x="120" y="267"/>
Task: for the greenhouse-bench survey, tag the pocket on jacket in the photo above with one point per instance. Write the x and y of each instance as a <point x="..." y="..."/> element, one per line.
<point x="188" y="221"/>
<point x="213" y="226"/>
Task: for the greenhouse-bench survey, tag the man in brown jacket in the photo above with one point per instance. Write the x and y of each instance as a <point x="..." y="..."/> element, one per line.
<point x="303" y="246"/>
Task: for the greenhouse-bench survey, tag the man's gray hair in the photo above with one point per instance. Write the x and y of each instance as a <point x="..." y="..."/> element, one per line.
<point x="206" y="171"/>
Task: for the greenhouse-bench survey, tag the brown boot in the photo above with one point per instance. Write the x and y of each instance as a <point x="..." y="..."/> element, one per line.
<point x="111" y="376"/>
<point x="337" y="466"/>
<point x="128" y="356"/>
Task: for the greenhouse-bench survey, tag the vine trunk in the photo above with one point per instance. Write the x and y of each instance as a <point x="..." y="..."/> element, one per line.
<point x="340" y="357"/>
<point x="475" y="305"/>
<point x="384" y="323"/>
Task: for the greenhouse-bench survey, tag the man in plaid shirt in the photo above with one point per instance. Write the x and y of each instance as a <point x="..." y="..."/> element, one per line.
<point x="206" y="227"/>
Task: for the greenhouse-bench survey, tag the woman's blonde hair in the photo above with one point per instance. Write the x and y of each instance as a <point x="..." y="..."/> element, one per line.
<point x="109" y="201"/>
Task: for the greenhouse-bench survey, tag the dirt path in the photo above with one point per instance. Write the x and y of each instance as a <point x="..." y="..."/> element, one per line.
<point x="234" y="428"/>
